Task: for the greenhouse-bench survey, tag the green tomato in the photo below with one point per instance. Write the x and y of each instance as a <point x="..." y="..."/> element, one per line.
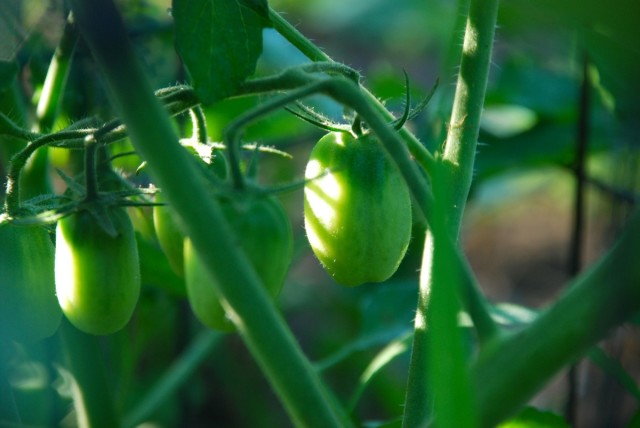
<point x="97" y="275"/>
<point x="169" y="235"/>
<point x="263" y="231"/>
<point x="357" y="209"/>
<point x="29" y="310"/>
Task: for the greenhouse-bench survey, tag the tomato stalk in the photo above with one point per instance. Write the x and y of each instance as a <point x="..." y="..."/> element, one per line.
<point x="457" y="161"/>
<point x="464" y="125"/>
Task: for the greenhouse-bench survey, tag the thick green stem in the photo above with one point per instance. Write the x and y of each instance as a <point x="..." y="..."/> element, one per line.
<point x="92" y="401"/>
<point x="259" y="324"/>
<point x="54" y="83"/>
<point x="426" y="361"/>
<point x="36" y="179"/>
<point x="460" y="148"/>
<point x="508" y="374"/>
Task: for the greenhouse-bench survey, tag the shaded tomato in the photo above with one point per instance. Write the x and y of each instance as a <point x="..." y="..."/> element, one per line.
<point x="169" y="235"/>
<point x="29" y="310"/>
<point x="357" y="209"/>
<point x="97" y="275"/>
<point x="263" y="231"/>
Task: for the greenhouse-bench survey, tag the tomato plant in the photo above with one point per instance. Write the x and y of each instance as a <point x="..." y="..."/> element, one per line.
<point x="97" y="274"/>
<point x="357" y="209"/>
<point x="264" y="233"/>
<point x="29" y="310"/>
<point x="422" y="346"/>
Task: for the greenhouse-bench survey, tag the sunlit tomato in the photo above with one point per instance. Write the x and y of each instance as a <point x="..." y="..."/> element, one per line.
<point x="357" y="209"/>
<point x="97" y="275"/>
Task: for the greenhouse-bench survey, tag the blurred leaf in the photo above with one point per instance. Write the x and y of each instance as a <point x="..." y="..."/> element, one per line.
<point x="219" y="42"/>
<point x="380" y="361"/>
<point x="390" y="307"/>
<point x="508" y="120"/>
<point x="8" y="73"/>
<point x="387" y="315"/>
<point x="510" y="314"/>
<point x="610" y="34"/>
<point x="531" y="417"/>
<point x="155" y="269"/>
<point x="614" y="369"/>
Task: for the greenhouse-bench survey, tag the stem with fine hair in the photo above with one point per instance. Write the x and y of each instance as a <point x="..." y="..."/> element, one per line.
<point x="464" y="126"/>
<point x="314" y="53"/>
<point x="457" y="161"/>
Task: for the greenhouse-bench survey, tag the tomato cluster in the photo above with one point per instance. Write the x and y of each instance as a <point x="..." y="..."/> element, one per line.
<point x="357" y="215"/>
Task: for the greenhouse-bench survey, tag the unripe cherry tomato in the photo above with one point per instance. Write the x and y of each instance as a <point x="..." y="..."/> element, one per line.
<point x="264" y="233"/>
<point x="97" y="275"/>
<point x="29" y="310"/>
<point x="357" y="209"/>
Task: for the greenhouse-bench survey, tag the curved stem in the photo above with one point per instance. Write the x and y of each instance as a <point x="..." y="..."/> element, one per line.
<point x="314" y="53"/>
<point x="232" y="131"/>
<point x="199" y="124"/>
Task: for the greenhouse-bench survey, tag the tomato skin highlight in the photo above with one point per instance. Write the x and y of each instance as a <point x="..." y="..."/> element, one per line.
<point x="264" y="232"/>
<point x="97" y="276"/>
<point x="169" y="236"/>
<point x="29" y="310"/>
<point x="357" y="209"/>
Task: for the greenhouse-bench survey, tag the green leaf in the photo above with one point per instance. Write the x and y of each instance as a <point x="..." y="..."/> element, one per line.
<point x="220" y="42"/>
<point x="531" y="417"/>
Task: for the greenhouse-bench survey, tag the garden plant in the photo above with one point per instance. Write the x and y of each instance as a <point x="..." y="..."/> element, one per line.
<point x="148" y="232"/>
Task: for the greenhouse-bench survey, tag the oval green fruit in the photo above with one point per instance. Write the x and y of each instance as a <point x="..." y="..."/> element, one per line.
<point x="97" y="275"/>
<point x="29" y="310"/>
<point x="357" y="209"/>
<point x="264" y="232"/>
